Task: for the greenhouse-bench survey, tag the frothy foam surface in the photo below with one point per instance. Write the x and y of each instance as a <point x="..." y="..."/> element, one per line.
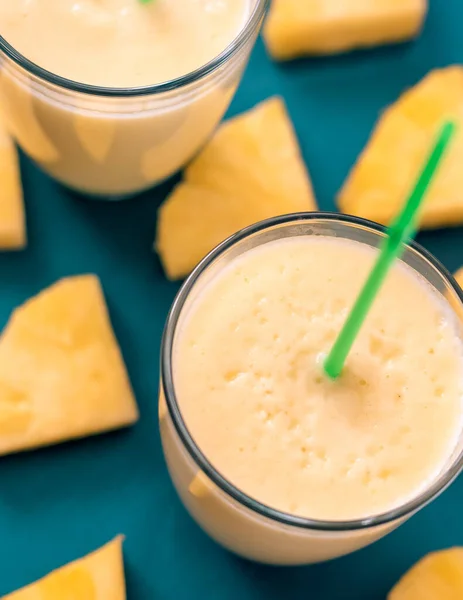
<point x="247" y="371"/>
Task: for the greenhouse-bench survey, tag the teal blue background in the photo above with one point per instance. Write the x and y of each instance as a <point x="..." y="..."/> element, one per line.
<point x="60" y="503"/>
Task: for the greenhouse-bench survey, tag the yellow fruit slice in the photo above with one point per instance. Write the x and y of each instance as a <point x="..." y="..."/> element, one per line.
<point x="162" y="406"/>
<point x="22" y="108"/>
<point x="200" y="486"/>
<point x="251" y="170"/>
<point x="12" y="219"/>
<point x="390" y="163"/>
<point x="459" y="277"/>
<point x="62" y="375"/>
<point x="438" y="576"/>
<point x="98" y="576"/>
<point x="296" y="28"/>
<point x="96" y="135"/>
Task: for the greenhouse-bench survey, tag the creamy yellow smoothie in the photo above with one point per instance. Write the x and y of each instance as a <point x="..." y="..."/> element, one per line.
<point x="111" y="143"/>
<point x="121" y="43"/>
<point x="248" y="378"/>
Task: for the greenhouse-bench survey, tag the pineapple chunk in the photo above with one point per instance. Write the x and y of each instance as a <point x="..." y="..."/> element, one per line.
<point x="12" y="220"/>
<point x="438" y="576"/>
<point x="25" y="112"/>
<point x="98" y="576"/>
<point x="200" y="485"/>
<point x="459" y="277"/>
<point x="251" y="170"/>
<point x="303" y="27"/>
<point x="96" y="135"/>
<point x="388" y="167"/>
<point x="162" y="406"/>
<point x="62" y="375"/>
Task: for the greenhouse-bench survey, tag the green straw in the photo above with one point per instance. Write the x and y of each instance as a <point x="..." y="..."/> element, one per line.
<point x="403" y="228"/>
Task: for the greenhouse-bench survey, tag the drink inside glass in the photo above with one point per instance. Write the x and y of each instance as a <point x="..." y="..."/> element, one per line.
<point x="274" y="460"/>
<point x="112" y="96"/>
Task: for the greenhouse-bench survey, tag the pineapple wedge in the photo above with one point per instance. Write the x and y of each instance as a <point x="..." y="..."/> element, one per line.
<point x="438" y="576"/>
<point x="98" y="576"/>
<point x="62" y="375"/>
<point x="389" y="165"/>
<point x="304" y="27"/>
<point x="251" y="170"/>
<point x="12" y="219"/>
<point x="200" y="485"/>
<point x="95" y="135"/>
<point x="21" y="107"/>
<point x="459" y="277"/>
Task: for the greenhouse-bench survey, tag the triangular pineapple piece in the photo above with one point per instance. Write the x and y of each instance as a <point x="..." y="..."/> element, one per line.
<point x="96" y="135"/>
<point x="200" y="486"/>
<point x="438" y="576"/>
<point x="459" y="277"/>
<point x="62" y="375"/>
<point x="12" y="219"/>
<point x="251" y="170"/>
<point x="20" y="104"/>
<point x="296" y="28"/>
<point x="388" y="167"/>
<point x="98" y="576"/>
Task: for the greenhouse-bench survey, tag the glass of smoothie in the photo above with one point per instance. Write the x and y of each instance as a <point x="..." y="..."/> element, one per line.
<point x="113" y="96"/>
<point x="275" y="461"/>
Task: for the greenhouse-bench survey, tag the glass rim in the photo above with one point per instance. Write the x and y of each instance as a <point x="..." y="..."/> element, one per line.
<point x="406" y="509"/>
<point x="231" y="50"/>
